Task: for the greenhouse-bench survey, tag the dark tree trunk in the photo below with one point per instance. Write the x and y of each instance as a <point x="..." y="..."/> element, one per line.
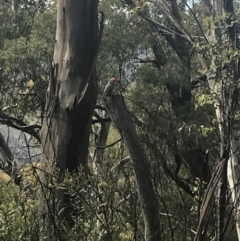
<point x="7" y="163"/>
<point x="71" y="98"/>
<point x="101" y="139"/>
<point x="120" y="116"/>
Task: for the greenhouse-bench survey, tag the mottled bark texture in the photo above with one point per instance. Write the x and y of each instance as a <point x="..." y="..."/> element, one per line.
<point x="71" y="98"/>
<point x="121" y="117"/>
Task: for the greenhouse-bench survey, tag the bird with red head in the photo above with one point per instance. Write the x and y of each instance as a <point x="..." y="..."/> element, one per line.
<point x="109" y="87"/>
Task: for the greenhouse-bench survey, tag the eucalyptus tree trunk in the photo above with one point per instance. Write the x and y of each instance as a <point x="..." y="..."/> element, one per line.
<point x="225" y="106"/>
<point x="71" y="97"/>
<point x="120" y="116"/>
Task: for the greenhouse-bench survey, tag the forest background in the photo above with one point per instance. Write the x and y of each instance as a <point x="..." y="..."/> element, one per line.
<point x="170" y="132"/>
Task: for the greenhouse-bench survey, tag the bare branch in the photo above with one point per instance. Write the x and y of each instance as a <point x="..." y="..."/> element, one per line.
<point x="142" y="61"/>
<point x="122" y="201"/>
<point x="177" y="180"/>
<point x="100" y="107"/>
<point x="110" y="145"/>
<point x="166" y="31"/>
<point x="8" y="107"/>
<point x="95" y="113"/>
<point x="136" y="120"/>
<point x="198" y="23"/>
<point x="101" y="120"/>
<point x="121" y="163"/>
<point x="173" y="15"/>
<point x="172" y="216"/>
<point x="20" y="125"/>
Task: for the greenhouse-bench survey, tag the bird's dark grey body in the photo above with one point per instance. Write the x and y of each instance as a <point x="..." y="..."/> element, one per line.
<point x="108" y="89"/>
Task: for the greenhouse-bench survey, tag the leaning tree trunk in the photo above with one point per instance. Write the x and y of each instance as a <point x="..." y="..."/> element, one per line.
<point x="7" y="163"/>
<point x="120" y="116"/>
<point x="71" y="98"/>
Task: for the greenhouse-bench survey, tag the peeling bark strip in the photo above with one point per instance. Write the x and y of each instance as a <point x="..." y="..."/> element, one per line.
<point x="66" y="124"/>
<point x="119" y="114"/>
<point x="208" y="201"/>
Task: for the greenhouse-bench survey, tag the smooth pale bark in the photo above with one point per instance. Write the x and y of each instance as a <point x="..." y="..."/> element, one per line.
<point x="14" y="5"/>
<point x="120" y="116"/>
<point x="233" y="174"/>
<point x="71" y="98"/>
<point x="227" y="138"/>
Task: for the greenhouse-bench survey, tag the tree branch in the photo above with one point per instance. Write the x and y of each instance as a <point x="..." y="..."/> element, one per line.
<point x="103" y="120"/>
<point x="20" y="125"/>
<point x="110" y="145"/>
<point x="121" y="163"/>
<point x="99" y="118"/>
<point x="100" y="107"/>
<point x="177" y="180"/>
<point x="166" y="31"/>
<point x="173" y="15"/>
<point x="142" y="61"/>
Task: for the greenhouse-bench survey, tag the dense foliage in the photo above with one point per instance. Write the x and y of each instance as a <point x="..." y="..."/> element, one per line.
<point x="106" y="202"/>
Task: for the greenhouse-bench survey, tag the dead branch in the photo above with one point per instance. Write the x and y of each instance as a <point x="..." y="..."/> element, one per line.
<point x="121" y="163"/>
<point x="110" y="145"/>
<point x="20" y="125"/>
